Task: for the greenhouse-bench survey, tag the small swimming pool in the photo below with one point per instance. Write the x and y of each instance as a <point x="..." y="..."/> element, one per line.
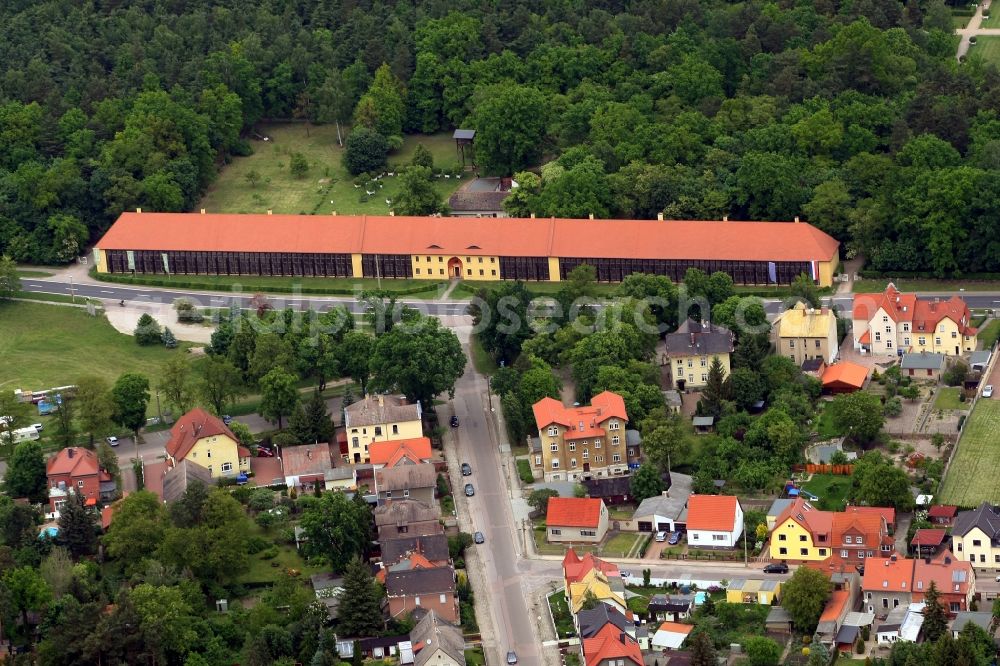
<point x="51" y="532"/>
<point x="699" y="598"/>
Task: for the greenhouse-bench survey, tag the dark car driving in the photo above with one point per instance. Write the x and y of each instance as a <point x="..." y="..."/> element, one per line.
<point x="466" y="469"/>
<point x="776" y="568"/>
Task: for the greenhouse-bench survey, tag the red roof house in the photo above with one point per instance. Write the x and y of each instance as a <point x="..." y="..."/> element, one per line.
<point x="400" y="452"/>
<point x="77" y="470"/>
<point x="576" y="568"/>
<point x="844" y="377"/>
<point x="611" y="647"/>
<point x="927" y="541"/>
<point x="953" y="578"/>
<point x="209" y="442"/>
<point x="942" y="514"/>
<point x="576" y="519"/>
<point x="714" y="521"/>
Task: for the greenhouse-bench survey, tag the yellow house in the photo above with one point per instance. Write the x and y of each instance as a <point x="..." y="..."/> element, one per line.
<point x="204" y="439"/>
<point x="804" y="333"/>
<point x="380" y="418"/>
<point x="975" y="536"/>
<point x="801" y="533"/>
<point x="753" y="591"/>
<point x="445" y="266"/>
<point x="895" y="321"/>
<point x="690" y="351"/>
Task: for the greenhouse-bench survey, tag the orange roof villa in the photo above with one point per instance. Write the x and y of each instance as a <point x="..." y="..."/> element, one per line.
<point x="438" y="248"/>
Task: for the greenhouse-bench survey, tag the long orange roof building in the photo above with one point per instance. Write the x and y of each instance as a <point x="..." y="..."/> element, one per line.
<point x="471" y="248"/>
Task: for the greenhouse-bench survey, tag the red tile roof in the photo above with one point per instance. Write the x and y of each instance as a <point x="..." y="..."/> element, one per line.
<point x="611" y="643"/>
<point x="575" y="568"/>
<point x="715" y="513"/>
<point x="805" y="514"/>
<point x="193" y="426"/>
<point x="928" y="537"/>
<point x="845" y="372"/>
<point x="574" y="512"/>
<point x="517" y="237"/>
<point x="869" y="525"/>
<point x="886" y="512"/>
<point x="835" y="606"/>
<point x="602" y="407"/>
<point x="389" y="453"/>
<point x="888" y="575"/>
<point x="306" y="459"/>
<point x="949" y="574"/>
<point x="74" y="461"/>
<point x="942" y="511"/>
<point x="923" y="314"/>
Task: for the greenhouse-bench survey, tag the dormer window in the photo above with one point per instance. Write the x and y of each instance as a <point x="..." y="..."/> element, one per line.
<point x="580" y="426"/>
<point x="553" y="431"/>
<point x="613" y="425"/>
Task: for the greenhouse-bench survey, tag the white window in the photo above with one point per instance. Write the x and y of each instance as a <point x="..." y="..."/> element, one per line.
<point x="906" y="327"/>
<point x="704" y="377"/>
<point x="704" y="362"/>
<point x="538" y="460"/>
<point x="572" y="446"/>
<point x="718" y="537"/>
<point x="588" y="533"/>
<point x="921" y="341"/>
<point x="888" y="329"/>
<point x="395" y="429"/>
<point x="443" y="599"/>
<point x="878" y="336"/>
<point x="888" y="344"/>
<point x="553" y="447"/>
<point x="227" y="467"/>
<point x="572" y="463"/>
<point x="616" y="458"/>
<point x="615" y="440"/>
<point x="906" y="341"/>
<point x="555" y="532"/>
<point x="614" y="425"/>
<point x="354" y="442"/>
<point x="861" y="554"/>
<point x="553" y="431"/>
<point x="597" y="443"/>
<point x="843" y="553"/>
<point x="586" y="454"/>
<point x="79" y="484"/>
<point x="937" y="341"/>
<point x="406" y="493"/>
<point x="885" y="318"/>
<point x="599" y="459"/>
<point x="555" y="464"/>
<point x="690" y="363"/>
<point x="418" y="601"/>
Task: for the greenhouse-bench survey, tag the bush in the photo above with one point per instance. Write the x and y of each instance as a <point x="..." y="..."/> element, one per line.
<point x="524" y="471"/>
<point x="256" y="544"/>
<point x="956" y="374"/>
<point x="270" y="553"/>
<point x="169" y="341"/>
<point x="147" y="331"/>
<point x="365" y="150"/>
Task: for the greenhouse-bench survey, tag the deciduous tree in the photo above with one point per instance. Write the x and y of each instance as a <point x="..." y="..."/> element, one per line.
<point x="421" y="360"/>
<point x="804" y="596"/>
<point x="10" y="283"/>
<point x="177" y="385"/>
<point x="279" y="396"/>
<point x="25" y="475"/>
<point x="130" y="396"/>
<point x="338" y="529"/>
<point x="221" y="383"/>
<point x="646" y="482"/>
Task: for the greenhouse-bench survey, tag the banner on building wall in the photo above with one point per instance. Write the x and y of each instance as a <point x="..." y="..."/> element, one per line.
<point x="97" y="257"/>
<point x="166" y="263"/>
<point x="814" y="265"/>
<point x="130" y="255"/>
<point x="772" y="271"/>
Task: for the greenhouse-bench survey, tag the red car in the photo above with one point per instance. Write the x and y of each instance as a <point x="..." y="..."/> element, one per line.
<point x="264" y="452"/>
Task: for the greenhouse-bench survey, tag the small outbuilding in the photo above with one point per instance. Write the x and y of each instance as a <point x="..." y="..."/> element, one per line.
<point x="844" y="377"/>
<point x="923" y="365"/>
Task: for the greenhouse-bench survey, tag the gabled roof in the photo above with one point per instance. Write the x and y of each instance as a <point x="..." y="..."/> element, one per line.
<point x="404" y="512"/>
<point x="193" y="426"/>
<point x="986" y="517"/>
<point x="182" y="475"/>
<point x="715" y="513"/>
<point x="870" y="525"/>
<point x="611" y="643"/>
<point x="928" y="537"/>
<point x="576" y="568"/>
<point x="432" y="546"/>
<point x="391" y="453"/>
<point x="602" y="407"/>
<point x="923" y="314"/>
<point x="406" y="477"/>
<point x="515" y="237"/>
<point x="922" y="361"/>
<point x="805" y="322"/>
<point x="593" y="620"/>
<point x="809" y="517"/>
<point x="942" y="511"/>
<point x="380" y="409"/>
<point x="306" y="459"/>
<point x="886" y="512"/>
<point x="574" y="512"/>
<point x="434" y="633"/>
<point x="612" y="486"/>
<point x="845" y="373"/>
<point x="74" y="461"/>
<point x="898" y="306"/>
<point x="694" y="338"/>
<point x="835" y="605"/>
<point x="439" y="580"/>
<point x="949" y="574"/>
<point x="890" y="574"/>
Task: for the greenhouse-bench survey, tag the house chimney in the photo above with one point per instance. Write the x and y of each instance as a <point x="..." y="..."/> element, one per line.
<point x="138" y="210"/>
<point x="927" y="560"/>
<point x="70" y="452"/>
<point x="202" y="211"/>
<point x="591" y="216"/>
<point x="947" y="560"/>
<point x="796" y="219"/>
<point x="725" y="218"/>
<point x="692" y="339"/>
<point x="381" y="400"/>
<point x="659" y="216"/>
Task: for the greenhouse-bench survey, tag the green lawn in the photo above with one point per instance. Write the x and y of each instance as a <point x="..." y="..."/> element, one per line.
<point x="947" y="398"/>
<point x="475" y="657"/>
<point x="49" y="345"/>
<point x="306" y="285"/>
<point x="483" y="362"/>
<point x="972" y="475"/>
<point x="621" y="544"/>
<point x="831" y="489"/>
<point x="875" y="286"/>
<point x="33" y="273"/>
<point x="327" y="181"/>
<point x="561" y="615"/>
<point x="825" y="425"/>
<point x="988" y="336"/>
<point x="264" y="570"/>
<point x="988" y="48"/>
<point x="992" y="22"/>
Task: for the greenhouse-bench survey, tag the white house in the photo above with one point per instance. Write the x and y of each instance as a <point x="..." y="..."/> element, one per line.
<point x="714" y="521"/>
<point x="670" y="635"/>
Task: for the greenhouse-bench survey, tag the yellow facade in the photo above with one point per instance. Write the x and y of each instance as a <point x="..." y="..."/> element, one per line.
<point x="943" y="340"/>
<point x="791" y="541"/>
<point x="360" y="438"/>
<point x="752" y="592"/>
<point x="356" y="266"/>
<point x="219" y="454"/>
<point x="976" y="547"/>
<point x="594" y="584"/>
<point x="827" y="269"/>
<point x="694" y="369"/>
<point x="101" y="257"/>
<point x="447" y="266"/>
<point x="554" y="274"/>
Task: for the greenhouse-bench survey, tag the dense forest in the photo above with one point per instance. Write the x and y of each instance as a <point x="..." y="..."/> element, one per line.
<point x="852" y="114"/>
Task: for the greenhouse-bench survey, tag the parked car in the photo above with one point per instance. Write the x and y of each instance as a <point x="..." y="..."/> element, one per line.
<point x="675" y="538"/>
<point x="511" y="657"/>
<point x="264" y="452"/>
<point x="661" y="537"/>
<point x="776" y="567"/>
<point x="37" y="426"/>
<point x="625" y="573"/>
<point x="454" y="421"/>
<point x="469" y="490"/>
<point x="988" y="391"/>
<point x="112" y="440"/>
<point x="466" y="469"/>
<point x="478" y="537"/>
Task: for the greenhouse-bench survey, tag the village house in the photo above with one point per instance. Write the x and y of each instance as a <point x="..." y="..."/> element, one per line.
<point x="580" y="443"/>
<point x="953" y="578"/>
<point x="975" y="536"/>
<point x="689" y="351"/>
<point x="431" y="589"/>
<point x="306" y="464"/>
<point x="576" y="520"/>
<point x="893" y="322"/>
<point x="77" y="470"/>
<point x="393" y="453"/>
<point x="802" y="533"/>
<point x="923" y="366"/>
<point x="804" y="333"/>
<point x="436" y="642"/>
<point x="407" y="517"/>
<point x="887" y="584"/>
<point x="942" y="514"/>
<point x="406" y="482"/>
<point x="714" y="521"/>
<point x="206" y="440"/>
<point x="844" y="377"/>
<point x="611" y="646"/>
<point x="379" y="418"/>
<point x="591" y="577"/>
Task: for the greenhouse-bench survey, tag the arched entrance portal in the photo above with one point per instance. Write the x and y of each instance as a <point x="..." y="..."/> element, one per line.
<point x="455" y="267"/>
